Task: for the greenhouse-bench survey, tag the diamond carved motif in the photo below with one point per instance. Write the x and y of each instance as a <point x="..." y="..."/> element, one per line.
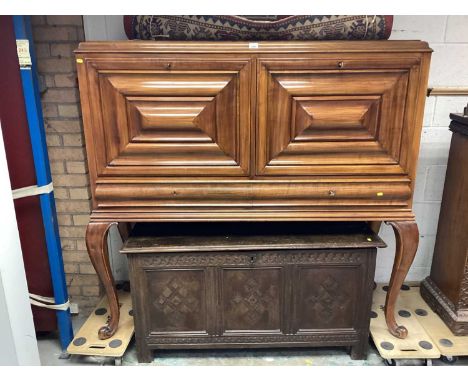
<point x="252" y="302"/>
<point x="177" y="299"/>
<point x="328" y="299"/>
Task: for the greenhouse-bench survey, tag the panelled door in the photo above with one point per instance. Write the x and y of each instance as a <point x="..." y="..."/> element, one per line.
<point x="326" y="116"/>
<point x="169" y="116"/>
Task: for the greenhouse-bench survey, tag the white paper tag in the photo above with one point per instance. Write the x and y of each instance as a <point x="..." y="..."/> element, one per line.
<point x="253" y="45"/>
<point x="22" y="47"/>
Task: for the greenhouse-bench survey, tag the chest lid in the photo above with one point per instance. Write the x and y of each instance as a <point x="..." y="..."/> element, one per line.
<point x="243" y="236"/>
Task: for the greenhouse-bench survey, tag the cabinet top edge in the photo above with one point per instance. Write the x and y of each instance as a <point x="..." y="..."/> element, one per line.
<point x="248" y="46"/>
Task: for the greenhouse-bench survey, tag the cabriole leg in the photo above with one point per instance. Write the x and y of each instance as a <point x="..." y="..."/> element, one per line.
<point x="407" y="239"/>
<point x="96" y="242"/>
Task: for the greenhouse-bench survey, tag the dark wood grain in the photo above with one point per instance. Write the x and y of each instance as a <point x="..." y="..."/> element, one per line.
<point x="446" y="289"/>
<point x="205" y="298"/>
<point x="180" y="237"/>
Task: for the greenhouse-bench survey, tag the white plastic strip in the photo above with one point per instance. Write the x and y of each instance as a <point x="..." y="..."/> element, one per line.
<point x="47" y="302"/>
<point x="32" y="190"/>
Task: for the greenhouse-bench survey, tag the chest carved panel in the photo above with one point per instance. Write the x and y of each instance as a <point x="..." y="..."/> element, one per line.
<point x="177" y="300"/>
<point x="251" y="298"/>
<point x="328" y="300"/>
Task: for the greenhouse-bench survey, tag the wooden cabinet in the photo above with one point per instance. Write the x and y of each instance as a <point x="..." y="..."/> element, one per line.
<point x="286" y="131"/>
<point x="446" y="289"/>
<point x="192" y="290"/>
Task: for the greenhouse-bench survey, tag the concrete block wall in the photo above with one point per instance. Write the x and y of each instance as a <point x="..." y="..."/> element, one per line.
<point x="55" y="38"/>
<point x="448" y="37"/>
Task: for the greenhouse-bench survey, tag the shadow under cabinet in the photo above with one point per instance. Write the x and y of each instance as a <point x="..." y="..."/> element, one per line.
<point x="251" y="285"/>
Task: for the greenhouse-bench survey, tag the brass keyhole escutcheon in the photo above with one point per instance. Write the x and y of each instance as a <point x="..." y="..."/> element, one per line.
<point x="252" y="259"/>
<point x="340" y="64"/>
<point x="332" y="192"/>
<point x="168" y="66"/>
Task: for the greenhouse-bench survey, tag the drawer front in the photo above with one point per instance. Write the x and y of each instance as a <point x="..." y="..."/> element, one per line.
<point x="166" y="116"/>
<point x="317" y="117"/>
<point x="258" y="194"/>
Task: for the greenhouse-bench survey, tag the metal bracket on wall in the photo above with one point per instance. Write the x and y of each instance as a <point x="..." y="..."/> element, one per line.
<point x="447" y="91"/>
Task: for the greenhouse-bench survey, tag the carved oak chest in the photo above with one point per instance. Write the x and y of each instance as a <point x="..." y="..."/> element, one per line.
<point x="252" y="286"/>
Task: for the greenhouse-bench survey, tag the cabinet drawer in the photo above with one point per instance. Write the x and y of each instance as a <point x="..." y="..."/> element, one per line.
<point x="317" y="117"/>
<point x="167" y="116"/>
<point x="245" y="194"/>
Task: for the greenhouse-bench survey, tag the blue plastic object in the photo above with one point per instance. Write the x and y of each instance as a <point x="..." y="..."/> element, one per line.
<point x="29" y="78"/>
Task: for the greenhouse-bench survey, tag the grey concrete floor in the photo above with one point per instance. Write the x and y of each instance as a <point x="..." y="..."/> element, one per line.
<point x="49" y="350"/>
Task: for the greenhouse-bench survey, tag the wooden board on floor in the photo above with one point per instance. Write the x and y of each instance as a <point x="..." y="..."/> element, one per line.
<point x="86" y="341"/>
<point x="447" y="343"/>
<point x="418" y="344"/>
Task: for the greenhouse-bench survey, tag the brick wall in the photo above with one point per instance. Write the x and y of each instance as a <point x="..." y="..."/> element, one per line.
<point x="55" y="38"/>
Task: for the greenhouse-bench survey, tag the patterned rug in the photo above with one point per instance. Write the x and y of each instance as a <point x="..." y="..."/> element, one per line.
<point x="242" y="28"/>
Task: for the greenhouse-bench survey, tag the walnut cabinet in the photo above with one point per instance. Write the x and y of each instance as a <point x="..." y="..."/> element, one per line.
<point x="274" y="131"/>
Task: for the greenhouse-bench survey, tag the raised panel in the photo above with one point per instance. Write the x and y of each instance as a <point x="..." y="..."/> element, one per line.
<point x="171" y="119"/>
<point x="251" y="299"/>
<point x="330" y="122"/>
<point x="177" y="300"/>
<point x="325" y="297"/>
<point x="335" y="118"/>
<point x="187" y="122"/>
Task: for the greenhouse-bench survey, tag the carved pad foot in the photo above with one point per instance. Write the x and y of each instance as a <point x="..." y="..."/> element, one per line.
<point x="106" y="332"/>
